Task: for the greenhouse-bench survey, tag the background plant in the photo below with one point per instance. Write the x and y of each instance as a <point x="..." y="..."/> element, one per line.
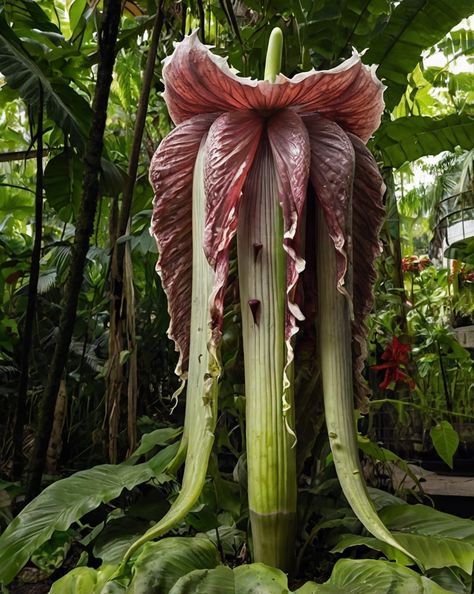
<point x="424" y="101"/>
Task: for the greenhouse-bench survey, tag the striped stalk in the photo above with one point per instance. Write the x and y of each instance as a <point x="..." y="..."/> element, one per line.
<point x="336" y="370"/>
<point x="271" y="460"/>
<point x="203" y="373"/>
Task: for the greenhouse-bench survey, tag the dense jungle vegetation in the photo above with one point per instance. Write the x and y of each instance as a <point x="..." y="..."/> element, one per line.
<point x="92" y="409"/>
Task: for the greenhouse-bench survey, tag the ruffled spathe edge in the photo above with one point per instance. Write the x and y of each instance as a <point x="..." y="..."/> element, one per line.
<point x="198" y="81"/>
<point x="171" y="176"/>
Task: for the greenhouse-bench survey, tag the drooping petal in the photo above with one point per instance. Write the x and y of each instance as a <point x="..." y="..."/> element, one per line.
<point x="203" y="376"/>
<point x="198" y="81"/>
<point x="331" y="175"/>
<point x="171" y="175"/>
<point x="289" y="143"/>
<point x="367" y="218"/>
<point x="231" y="145"/>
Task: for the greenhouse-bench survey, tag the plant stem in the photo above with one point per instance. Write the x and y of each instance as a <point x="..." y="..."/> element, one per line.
<point x="374" y="403"/>
<point x="122" y="379"/>
<point x="271" y="460"/>
<point x="27" y="338"/>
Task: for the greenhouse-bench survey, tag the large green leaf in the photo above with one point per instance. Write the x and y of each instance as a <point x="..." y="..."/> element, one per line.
<point x="409" y="138"/>
<point x="380" y="577"/>
<point x="421" y="519"/>
<point x="434" y="552"/>
<point x="256" y="578"/>
<point x="349" y="576"/>
<point x="64" y="502"/>
<point x="331" y="28"/>
<point x="160" y="564"/>
<point x="63" y="184"/>
<point x="205" y="581"/>
<point x="445" y="440"/>
<point x="414" y="26"/>
<point x="83" y="580"/>
<point x="383" y="499"/>
<point x="68" y="109"/>
<point x="116" y="537"/>
<point x="260" y="579"/>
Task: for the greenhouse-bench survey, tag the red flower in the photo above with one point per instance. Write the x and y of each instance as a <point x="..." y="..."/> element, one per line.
<point x="415" y="263"/>
<point x="395" y="357"/>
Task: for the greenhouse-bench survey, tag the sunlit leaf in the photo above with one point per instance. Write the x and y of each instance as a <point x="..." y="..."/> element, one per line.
<point x="433" y="551"/>
<point x="380" y="577"/>
<point x="409" y="138"/>
<point x="66" y="501"/>
<point x="445" y="440"/>
<point x="413" y="26"/>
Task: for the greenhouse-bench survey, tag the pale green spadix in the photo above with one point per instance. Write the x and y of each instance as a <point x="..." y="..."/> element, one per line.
<point x="274" y="52"/>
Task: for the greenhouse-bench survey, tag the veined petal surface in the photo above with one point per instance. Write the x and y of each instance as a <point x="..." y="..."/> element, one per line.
<point x="231" y="145"/>
<point x="289" y="143"/>
<point x="367" y="218"/>
<point x="331" y="175"/>
<point x="171" y="175"/>
<point x="198" y="81"/>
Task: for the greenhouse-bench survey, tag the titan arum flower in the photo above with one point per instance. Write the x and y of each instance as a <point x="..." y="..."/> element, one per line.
<point x="251" y="159"/>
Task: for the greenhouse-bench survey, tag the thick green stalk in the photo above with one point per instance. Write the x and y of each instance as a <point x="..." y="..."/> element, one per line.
<point x="271" y="460"/>
<point x="336" y="370"/>
<point x="203" y="373"/>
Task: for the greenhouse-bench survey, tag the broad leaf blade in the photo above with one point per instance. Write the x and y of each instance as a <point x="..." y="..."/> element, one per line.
<point x="63" y="503"/>
<point x="204" y="581"/>
<point x="258" y="578"/>
<point x="434" y="552"/>
<point x="160" y="564"/>
<point x="445" y="440"/>
<point x="414" y="26"/>
<point x="83" y="580"/>
<point x="64" y="106"/>
<point x="409" y="138"/>
<point x="421" y="519"/>
<point x="380" y="577"/>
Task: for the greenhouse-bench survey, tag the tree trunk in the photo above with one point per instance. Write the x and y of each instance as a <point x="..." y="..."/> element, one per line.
<point x="27" y="339"/>
<point x="122" y="381"/>
<point x="56" y="442"/>
<point x="85" y="223"/>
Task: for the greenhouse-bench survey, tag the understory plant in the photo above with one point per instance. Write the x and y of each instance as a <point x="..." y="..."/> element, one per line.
<point x="281" y="165"/>
<point x="427" y="374"/>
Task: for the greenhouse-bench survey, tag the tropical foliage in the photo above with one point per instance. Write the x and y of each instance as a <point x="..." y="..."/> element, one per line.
<point x="86" y="367"/>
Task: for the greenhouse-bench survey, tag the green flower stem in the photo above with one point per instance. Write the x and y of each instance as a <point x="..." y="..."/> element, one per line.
<point x="271" y="460"/>
<point x="336" y="370"/>
<point x="273" y="59"/>
<point x="203" y="373"/>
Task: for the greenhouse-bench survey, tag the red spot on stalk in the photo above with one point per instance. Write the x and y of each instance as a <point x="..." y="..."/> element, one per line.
<point x="254" y="305"/>
<point x="257" y="248"/>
